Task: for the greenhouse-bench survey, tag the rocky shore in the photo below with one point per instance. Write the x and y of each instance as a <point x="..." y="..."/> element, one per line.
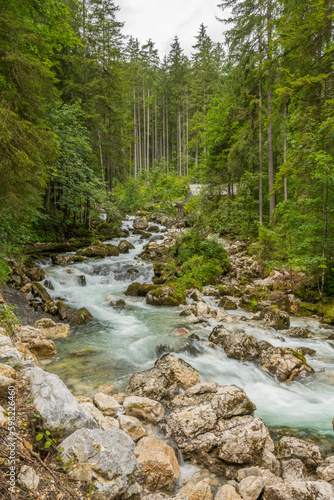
<point x="138" y="443"/>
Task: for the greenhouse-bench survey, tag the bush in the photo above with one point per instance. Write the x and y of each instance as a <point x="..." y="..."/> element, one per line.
<point x="193" y="243"/>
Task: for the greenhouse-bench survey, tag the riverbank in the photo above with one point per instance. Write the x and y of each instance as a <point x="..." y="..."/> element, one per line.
<point x="211" y="355"/>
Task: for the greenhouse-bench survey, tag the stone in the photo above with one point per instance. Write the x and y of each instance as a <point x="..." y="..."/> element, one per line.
<point x="52" y="330"/>
<point x="125" y="246"/>
<point x="5" y="341"/>
<point x="326" y="470"/>
<point x="5" y="384"/>
<point x="229" y="303"/>
<point x="227" y="492"/>
<point x="140" y="223"/>
<point x="35" y="341"/>
<point x="284" y="363"/>
<point x="28" y="479"/>
<point x="103" y="422"/>
<point x="74" y="317"/>
<point x="153" y="229"/>
<point x="275" y="318"/>
<point x="82" y="280"/>
<point x="299" y="332"/>
<point x="144" y="408"/>
<point x="3" y="416"/>
<point x="153" y="384"/>
<point x="297" y="490"/>
<point x="36" y="274"/>
<point x="140" y="290"/>
<point x="181" y="332"/>
<point x="240" y="346"/>
<point x="104" y="459"/>
<point x="293" y="470"/>
<point x="251" y="487"/>
<point x="7" y="371"/>
<point x="132" y="426"/>
<point x="196" y="295"/>
<point x="105" y="403"/>
<point x="178" y="370"/>
<point x="165" y="296"/>
<point x="197" y="491"/>
<point x="108" y="389"/>
<point x="60" y="413"/>
<point x="291" y="447"/>
<point x="158" y="465"/>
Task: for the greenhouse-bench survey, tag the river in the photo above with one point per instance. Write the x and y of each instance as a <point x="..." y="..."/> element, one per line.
<point x="121" y="341"/>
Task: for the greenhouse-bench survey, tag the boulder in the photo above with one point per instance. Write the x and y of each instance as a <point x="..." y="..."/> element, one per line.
<point x="178" y="371"/>
<point x="105" y="403"/>
<point x="5" y="341"/>
<point x="5" y="384"/>
<point x="153" y="229"/>
<point x="52" y="330"/>
<point x="251" y="487"/>
<point x="197" y="491"/>
<point x="7" y="371"/>
<point x="293" y="470"/>
<point x="278" y="489"/>
<point x="326" y="470"/>
<point x="227" y="492"/>
<point x="229" y="303"/>
<point x="36" y="273"/>
<point x="140" y="223"/>
<point x="104" y="459"/>
<point x="238" y="345"/>
<point x="275" y="318"/>
<point x="165" y="296"/>
<point x="181" y="332"/>
<point x="103" y="422"/>
<point x="153" y="384"/>
<point x="60" y="413"/>
<point x="158" y="465"/>
<point x="144" y="408"/>
<point x="125" y="246"/>
<point x="196" y="295"/>
<point x="74" y="317"/>
<point x="94" y="251"/>
<point x="35" y="341"/>
<point x="28" y="479"/>
<point x="132" y="426"/>
<point x="291" y="447"/>
<point x="140" y="290"/>
<point x="284" y="363"/>
<point x="118" y="304"/>
<point x="299" y="332"/>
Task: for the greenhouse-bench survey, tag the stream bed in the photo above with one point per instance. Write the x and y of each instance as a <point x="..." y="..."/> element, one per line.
<point x="121" y="341"/>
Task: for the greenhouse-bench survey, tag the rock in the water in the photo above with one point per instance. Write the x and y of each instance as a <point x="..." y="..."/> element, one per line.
<point x="132" y="426"/>
<point x="291" y="447"/>
<point x="125" y="246"/>
<point x="36" y="274"/>
<point x="35" y="341"/>
<point x="61" y="414"/>
<point x="227" y="492"/>
<point x="326" y="470"/>
<point x="181" y="332"/>
<point x="284" y="363"/>
<point x="275" y="318"/>
<point x="195" y="295"/>
<point x="139" y="289"/>
<point x="28" y="479"/>
<point x="197" y="491"/>
<point x="104" y="423"/>
<point x="74" y="317"/>
<point x="158" y="465"/>
<point x="82" y="280"/>
<point x="165" y="296"/>
<point x="178" y="370"/>
<point x="52" y="330"/>
<point x="240" y="345"/>
<point x="105" y="403"/>
<point x="144" y="408"/>
<point x="140" y="223"/>
<point x="299" y="332"/>
<point x="229" y="303"/>
<point x="105" y="459"/>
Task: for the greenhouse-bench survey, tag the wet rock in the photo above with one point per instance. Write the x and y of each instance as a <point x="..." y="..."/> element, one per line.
<point x="293" y="470"/>
<point x="104" y="423"/>
<point x="145" y="235"/>
<point x="132" y="427"/>
<point x="28" y="479"/>
<point x="158" y="465"/>
<point x="290" y="447"/>
<point x="125" y="246"/>
<point x="155" y="252"/>
<point x="144" y="408"/>
<point x="35" y="341"/>
<point x="227" y="492"/>
<point x="153" y="384"/>
<point x="326" y="470"/>
<point x="105" y="459"/>
<point x="197" y="491"/>
<point x="298" y="331"/>
<point x="251" y="487"/>
<point x="284" y="363"/>
<point x="36" y="274"/>
<point x="82" y="280"/>
<point x="164" y="296"/>
<point x="275" y="318"/>
<point x="52" y="330"/>
<point x="94" y="251"/>
<point x="60" y="413"/>
<point x="74" y="317"/>
<point x="181" y="332"/>
<point x="178" y="370"/>
<point x="105" y="403"/>
<point x="195" y="295"/>
<point x="306" y="351"/>
<point x="118" y="304"/>
<point x="153" y="229"/>
<point x="140" y="223"/>
<point x="229" y="303"/>
<point x="239" y="345"/>
<point x="140" y="290"/>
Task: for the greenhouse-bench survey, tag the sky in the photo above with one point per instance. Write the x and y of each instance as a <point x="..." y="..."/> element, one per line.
<point x="161" y="20"/>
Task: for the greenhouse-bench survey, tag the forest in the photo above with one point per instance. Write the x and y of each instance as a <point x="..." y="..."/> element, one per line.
<point x="93" y="121"/>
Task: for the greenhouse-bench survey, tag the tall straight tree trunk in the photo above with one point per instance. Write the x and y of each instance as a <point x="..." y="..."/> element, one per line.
<point x="156" y="132"/>
<point x="144" y="132"/>
<point x="135" y="130"/>
<point x="260" y="144"/>
<point x="180" y="142"/>
<point x="148" y="138"/>
<point x="167" y="136"/>
<point x="84" y="52"/>
<point x="187" y="137"/>
<point x="101" y="156"/>
<point x="139" y="139"/>
<point x="163" y="128"/>
<point x="272" y="201"/>
<point x="285" y="153"/>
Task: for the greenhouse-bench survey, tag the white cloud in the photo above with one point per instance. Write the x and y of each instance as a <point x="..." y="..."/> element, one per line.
<point x="161" y="20"/>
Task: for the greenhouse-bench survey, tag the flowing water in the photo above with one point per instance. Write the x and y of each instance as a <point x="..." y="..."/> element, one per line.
<point x="121" y="341"/>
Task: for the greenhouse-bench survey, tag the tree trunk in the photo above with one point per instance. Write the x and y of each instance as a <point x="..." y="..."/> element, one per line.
<point x="285" y="151"/>
<point x="271" y="179"/>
